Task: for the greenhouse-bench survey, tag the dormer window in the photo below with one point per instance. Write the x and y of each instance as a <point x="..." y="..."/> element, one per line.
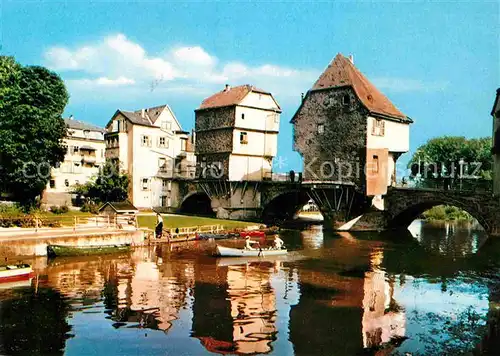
<point x="321" y="128"/>
<point x="346" y="100"/>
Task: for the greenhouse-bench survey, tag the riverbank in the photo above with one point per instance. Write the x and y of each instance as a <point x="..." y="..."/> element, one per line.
<point x="446" y="213"/>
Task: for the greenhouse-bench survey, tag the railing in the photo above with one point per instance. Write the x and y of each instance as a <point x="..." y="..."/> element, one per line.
<point x="465" y="185"/>
<point x="36" y="223"/>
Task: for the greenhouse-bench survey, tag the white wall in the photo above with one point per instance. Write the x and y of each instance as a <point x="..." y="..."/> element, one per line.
<point x="395" y="139"/>
<point x="264" y="101"/>
<point x="257" y="119"/>
<point x="248" y="168"/>
<point x="259" y="143"/>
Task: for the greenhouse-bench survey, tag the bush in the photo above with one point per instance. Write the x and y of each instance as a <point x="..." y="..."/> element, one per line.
<point x="90" y="208"/>
<point x="17" y="220"/>
<point x="59" y="209"/>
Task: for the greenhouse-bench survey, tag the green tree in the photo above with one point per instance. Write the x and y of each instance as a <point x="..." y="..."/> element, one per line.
<point x="443" y="156"/>
<point x="109" y="185"/>
<point x="32" y="100"/>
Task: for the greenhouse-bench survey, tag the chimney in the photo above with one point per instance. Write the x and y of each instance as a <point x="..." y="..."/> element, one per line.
<point x="71" y="117"/>
<point x="143" y="112"/>
<point x="227" y="88"/>
<point x="351" y="58"/>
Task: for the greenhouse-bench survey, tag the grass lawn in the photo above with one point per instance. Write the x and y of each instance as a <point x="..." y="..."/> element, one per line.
<point x="173" y="221"/>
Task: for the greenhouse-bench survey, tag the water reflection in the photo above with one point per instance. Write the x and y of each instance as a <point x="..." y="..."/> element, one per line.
<point x="346" y="295"/>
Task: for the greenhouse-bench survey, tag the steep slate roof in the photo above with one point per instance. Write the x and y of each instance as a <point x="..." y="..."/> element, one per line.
<point x="341" y="72"/>
<point x="80" y="125"/>
<point x="136" y="118"/>
<point x="496" y="104"/>
<point x="230" y="97"/>
<point x="120" y="206"/>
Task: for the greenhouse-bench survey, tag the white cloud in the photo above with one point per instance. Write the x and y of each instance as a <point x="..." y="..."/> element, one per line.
<point x="102" y="81"/>
<point x="408" y="85"/>
<point x="116" y="60"/>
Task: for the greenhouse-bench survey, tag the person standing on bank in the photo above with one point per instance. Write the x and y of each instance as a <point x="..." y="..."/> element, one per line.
<point x="159" y="225"/>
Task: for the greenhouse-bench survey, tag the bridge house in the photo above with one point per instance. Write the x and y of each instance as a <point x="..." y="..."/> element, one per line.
<point x="237" y="134"/>
<point x="150" y="145"/>
<point x="345" y="124"/>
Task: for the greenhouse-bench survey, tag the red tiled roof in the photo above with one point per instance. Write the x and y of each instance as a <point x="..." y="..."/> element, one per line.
<point x="342" y="71"/>
<point x="229" y="97"/>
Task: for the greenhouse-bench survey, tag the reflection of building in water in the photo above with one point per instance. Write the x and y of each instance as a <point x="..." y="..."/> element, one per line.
<point x="383" y="319"/>
<point x="234" y="308"/>
<point x="253" y="308"/>
<point x="145" y="290"/>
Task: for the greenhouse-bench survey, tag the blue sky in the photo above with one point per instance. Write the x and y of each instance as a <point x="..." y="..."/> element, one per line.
<point x="438" y="62"/>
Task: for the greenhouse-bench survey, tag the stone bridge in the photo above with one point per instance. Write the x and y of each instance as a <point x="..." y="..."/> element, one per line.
<point x="277" y="201"/>
<point x="403" y="205"/>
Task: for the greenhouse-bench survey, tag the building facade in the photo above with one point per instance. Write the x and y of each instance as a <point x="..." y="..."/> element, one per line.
<point x="85" y="154"/>
<point x="237" y="134"/>
<point x="346" y="130"/>
<point x="495" y="112"/>
<point x="151" y="147"/>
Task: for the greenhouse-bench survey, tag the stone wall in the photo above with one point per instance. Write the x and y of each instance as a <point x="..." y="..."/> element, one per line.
<point x="214" y="118"/>
<point x="342" y="144"/>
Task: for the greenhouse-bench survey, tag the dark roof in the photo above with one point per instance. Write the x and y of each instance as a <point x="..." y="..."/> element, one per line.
<point x="496" y="105"/>
<point x="119" y="206"/>
<point x="88" y="148"/>
<point x="150" y="115"/>
<point x="80" y="125"/>
<point x="341" y="72"/>
<point x="230" y="97"/>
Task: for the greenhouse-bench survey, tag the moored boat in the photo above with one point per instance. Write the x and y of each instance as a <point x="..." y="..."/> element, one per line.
<point x="207" y="236"/>
<point x="12" y="273"/>
<point x="63" y="250"/>
<point x="253" y="233"/>
<point x="243" y="252"/>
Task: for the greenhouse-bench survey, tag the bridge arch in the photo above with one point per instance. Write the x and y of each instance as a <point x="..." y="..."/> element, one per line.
<point x="405" y="205"/>
<point x="283" y="205"/>
<point x="197" y="203"/>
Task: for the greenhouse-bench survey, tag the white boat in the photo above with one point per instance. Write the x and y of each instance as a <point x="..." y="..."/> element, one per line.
<point x="243" y="252"/>
<point x="12" y="273"/>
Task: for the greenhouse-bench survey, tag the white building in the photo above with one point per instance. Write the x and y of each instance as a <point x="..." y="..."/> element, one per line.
<point x="151" y="147"/>
<point x="85" y="154"/>
<point x="237" y="134"/>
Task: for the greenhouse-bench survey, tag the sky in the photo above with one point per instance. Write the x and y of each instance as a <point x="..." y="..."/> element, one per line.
<point x="438" y="62"/>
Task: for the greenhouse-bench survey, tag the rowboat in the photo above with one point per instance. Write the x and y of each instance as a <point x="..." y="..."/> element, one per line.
<point x="63" y="250"/>
<point x="12" y="273"/>
<point x="243" y="252"/>
<point x="253" y="233"/>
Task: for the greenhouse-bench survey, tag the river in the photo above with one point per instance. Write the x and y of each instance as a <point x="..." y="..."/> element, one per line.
<point x="433" y="291"/>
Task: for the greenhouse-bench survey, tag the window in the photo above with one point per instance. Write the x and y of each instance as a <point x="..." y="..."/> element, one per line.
<point x="86" y="133"/>
<point x="145" y="183"/>
<point x="75" y="149"/>
<point x="276" y="119"/>
<point x="243" y="138"/>
<point x="321" y="128"/>
<point x="166" y="125"/>
<point x="66" y="182"/>
<point x="162" y="142"/>
<point x="243" y="116"/>
<point x="346" y="99"/>
<point x="146" y="141"/>
<point x="183" y="144"/>
<point x="378" y="128"/>
<point x="167" y="184"/>
<point x="77" y="181"/>
<point x="375" y="164"/>
<point x="52" y="183"/>
<point x="162" y="163"/>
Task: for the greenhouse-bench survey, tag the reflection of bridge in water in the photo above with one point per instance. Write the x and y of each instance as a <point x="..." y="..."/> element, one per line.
<point x="357" y="299"/>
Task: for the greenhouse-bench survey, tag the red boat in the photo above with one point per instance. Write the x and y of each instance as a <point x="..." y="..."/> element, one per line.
<point x="11" y="273"/>
<point x="253" y="233"/>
